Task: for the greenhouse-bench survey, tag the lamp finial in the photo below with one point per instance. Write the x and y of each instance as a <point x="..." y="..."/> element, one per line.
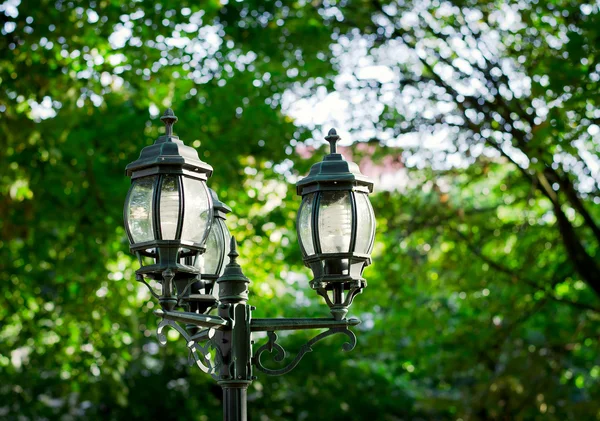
<point x="332" y="137"/>
<point x="233" y="253"/>
<point x="169" y="118"/>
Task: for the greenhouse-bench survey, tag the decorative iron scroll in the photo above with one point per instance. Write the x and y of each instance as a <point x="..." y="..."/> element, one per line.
<point x="280" y="353"/>
<point x="140" y="278"/>
<point x="198" y="354"/>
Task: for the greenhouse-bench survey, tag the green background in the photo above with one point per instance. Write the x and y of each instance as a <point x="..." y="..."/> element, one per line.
<point x="483" y="294"/>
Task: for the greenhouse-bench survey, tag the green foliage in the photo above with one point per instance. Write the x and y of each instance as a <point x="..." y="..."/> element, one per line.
<point x="483" y="297"/>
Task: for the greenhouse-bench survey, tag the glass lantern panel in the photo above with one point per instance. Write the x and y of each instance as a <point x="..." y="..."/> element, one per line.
<point x="305" y="224"/>
<point x="198" y="210"/>
<point x="335" y="221"/>
<point x="213" y="255"/>
<point x="227" y="237"/>
<point x="365" y="224"/>
<point x="139" y="207"/>
<point x="169" y="207"/>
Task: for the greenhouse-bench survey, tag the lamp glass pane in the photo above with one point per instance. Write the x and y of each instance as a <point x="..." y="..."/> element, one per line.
<point x="198" y="210"/>
<point x="214" y="249"/>
<point x="335" y="221"/>
<point x="227" y="237"/>
<point x="365" y="224"/>
<point x="169" y="207"/>
<point x="139" y="207"/>
<point x="305" y="230"/>
<point x="217" y="248"/>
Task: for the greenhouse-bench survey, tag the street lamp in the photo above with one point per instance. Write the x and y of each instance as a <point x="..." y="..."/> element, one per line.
<point x="336" y="227"/>
<point x="176" y="228"/>
<point x="212" y="263"/>
<point x="168" y="212"/>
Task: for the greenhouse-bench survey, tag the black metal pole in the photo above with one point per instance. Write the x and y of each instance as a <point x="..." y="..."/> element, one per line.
<point x="235" y="399"/>
<point x="235" y="346"/>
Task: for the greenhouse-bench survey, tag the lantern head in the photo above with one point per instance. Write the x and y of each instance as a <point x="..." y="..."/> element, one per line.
<point x="212" y="262"/>
<point x="336" y="227"/>
<point x="168" y="211"/>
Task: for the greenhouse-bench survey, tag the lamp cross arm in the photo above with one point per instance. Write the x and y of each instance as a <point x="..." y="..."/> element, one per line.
<point x="269" y="325"/>
<point x="203" y="320"/>
<point x="278" y="353"/>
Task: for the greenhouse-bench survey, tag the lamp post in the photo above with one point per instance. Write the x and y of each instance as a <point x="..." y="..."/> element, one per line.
<point x="176" y="228"/>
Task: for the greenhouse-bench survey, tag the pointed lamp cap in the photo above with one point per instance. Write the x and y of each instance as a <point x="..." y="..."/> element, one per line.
<point x="332" y="137"/>
<point x="169" y="118"/>
<point x="233" y="271"/>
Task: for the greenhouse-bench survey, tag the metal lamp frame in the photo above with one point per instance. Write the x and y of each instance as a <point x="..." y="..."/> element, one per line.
<point x="220" y="211"/>
<point x="222" y="344"/>
<point x="334" y="173"/>
<point x="168" y="157"/>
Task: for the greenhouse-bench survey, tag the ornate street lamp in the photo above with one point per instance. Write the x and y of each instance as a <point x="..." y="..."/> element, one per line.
<point x="168" y="212"/>
<point x="212" y="263"/>
<point x="336" y="227"/>
<point x="176" y="227"/>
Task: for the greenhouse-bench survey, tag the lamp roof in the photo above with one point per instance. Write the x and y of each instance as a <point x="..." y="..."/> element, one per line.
<point x="334" y="169"/>
<point x="168" y="150"/>
<point x="220" y="208"/>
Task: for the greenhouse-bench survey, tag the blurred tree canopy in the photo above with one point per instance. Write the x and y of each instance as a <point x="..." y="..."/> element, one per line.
<point x="480" y="120"/>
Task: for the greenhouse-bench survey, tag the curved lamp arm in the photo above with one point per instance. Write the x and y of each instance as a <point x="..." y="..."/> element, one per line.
<point x="271" y="325"/>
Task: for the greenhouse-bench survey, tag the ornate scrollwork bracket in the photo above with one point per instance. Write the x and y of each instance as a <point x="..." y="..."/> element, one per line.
<point x="140" y="278"/>
<point x="272" y="346"/>
<point x="198" y="354"/>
